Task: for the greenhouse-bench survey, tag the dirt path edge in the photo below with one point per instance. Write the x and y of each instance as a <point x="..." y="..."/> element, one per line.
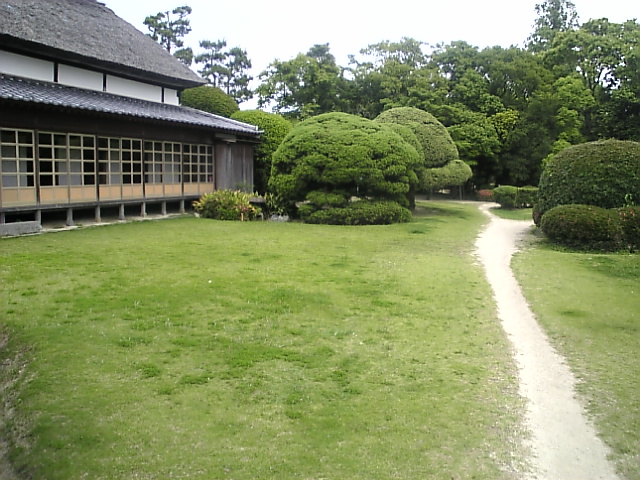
<point x="563" y="442"/>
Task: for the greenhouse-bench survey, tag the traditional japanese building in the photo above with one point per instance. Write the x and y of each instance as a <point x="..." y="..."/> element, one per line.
<point x="90" y="117"/>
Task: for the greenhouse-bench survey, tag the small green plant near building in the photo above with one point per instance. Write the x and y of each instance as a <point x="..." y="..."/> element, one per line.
<point x="227" y="205"/>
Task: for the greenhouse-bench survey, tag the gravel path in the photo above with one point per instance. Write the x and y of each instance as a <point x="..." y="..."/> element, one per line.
<point x="563" y="442"/>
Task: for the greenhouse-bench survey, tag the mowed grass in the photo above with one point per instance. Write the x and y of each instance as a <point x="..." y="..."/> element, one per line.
<point x="513" y="213"/>
<point x="589" y="304"/>
<point x="193" y="348"/>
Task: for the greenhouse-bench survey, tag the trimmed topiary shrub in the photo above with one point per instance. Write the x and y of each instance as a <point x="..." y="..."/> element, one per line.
<point x="599" y="173"/>
<point x="453" y="173"/>
<point x="583" y="227"/>
<point x="363" y="212"/>
<point x="209" y="99"/>
<point x="630" y="224"/>
<point x="274" y="128"/>
<point x="438" y="147"/>
<point x="334" y="158"/>
<point x="226" y="205"/>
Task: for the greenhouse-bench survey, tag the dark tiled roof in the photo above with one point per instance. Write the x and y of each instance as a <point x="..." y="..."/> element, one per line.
<point x="87" y="33"/>
<point x="55" y="95"/>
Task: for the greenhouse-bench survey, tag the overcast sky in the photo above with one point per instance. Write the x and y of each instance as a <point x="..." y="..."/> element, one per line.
<point x="282" y="29"/>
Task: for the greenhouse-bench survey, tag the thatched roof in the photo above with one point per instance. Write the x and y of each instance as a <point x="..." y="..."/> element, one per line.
<point x="17" y="89"/>
<point x="85" y="33"/>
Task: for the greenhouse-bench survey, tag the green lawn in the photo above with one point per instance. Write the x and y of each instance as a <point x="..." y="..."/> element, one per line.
<point x="513" y="213"/>
<point x="589" y="304"/>
<point x="193" y="348"/>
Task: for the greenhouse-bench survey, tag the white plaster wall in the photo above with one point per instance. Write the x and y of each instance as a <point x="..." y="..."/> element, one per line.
<point x="171" y="96"/>
<point x="130" y="88"/>
<point x="78" y="77"/>
<point x="22" y="66"/>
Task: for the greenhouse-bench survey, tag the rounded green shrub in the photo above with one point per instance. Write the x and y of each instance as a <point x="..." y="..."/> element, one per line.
<point x="334" y="158"/>
<point x="363" y="212"/>
<point x="226" y="205"/>
<point x="583" y="227"/>
<point x="274" y="128"/>
<point x="209" y="99"/>
<point x="438" y="147"/>
<point x="630" y="224"/>
<point x="599" y="173"/>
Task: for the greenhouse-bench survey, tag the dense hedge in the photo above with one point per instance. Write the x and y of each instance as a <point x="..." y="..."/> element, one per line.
<point x="583" y="227"/>
<point x="630" y="223"/>
<point x="599" y="173"/>
<point x="437" y="145"/>
<point x="275" y="128"/>
<point x="362" y="212"/>
<point x="209" y="99"/>
<point x="515" y="197"/>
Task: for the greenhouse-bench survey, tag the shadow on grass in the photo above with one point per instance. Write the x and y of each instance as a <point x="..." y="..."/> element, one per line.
<point x="432" y="211"/>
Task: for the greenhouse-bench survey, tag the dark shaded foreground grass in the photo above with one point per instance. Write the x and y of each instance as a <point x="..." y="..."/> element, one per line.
<point x="194" y="348"/>
<point x="589" y="304"/>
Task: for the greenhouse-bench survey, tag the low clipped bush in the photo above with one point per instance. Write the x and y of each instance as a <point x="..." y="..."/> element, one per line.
<point x="630" y="224"/>
<point x="226" y="205"/>
<point x="583" y="227"/>
<point x="363" y="212"/>
<point x="509" y="196"/>
<point x="602" y="173"/>
<point x="505" y="195"/>
<point x="209" y="99"/>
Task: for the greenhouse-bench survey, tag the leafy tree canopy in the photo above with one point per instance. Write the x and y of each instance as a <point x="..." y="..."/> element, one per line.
<point x="169" y="29"/>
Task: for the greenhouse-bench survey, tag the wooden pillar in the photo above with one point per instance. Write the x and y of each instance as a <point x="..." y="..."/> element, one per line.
<point x="143" y="209"/>
<point x="121" y="212"/>
<point x="98" y="216"/>
<point x="70" y="217"/>
<point x="164" y="208"/>
<point x="182" y="210"/>
<point x="38" y="216"/>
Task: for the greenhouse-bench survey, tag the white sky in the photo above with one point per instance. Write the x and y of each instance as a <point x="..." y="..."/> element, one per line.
<point x="282" y="29"/>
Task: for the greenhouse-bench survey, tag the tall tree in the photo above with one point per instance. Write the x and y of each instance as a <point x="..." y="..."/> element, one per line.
<point x="237" y="81"/>
<point x="213" y="61"/>
<point x="304" y="86"/>
<point x="169" y="29"/>
<point x="554" y="16"/>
